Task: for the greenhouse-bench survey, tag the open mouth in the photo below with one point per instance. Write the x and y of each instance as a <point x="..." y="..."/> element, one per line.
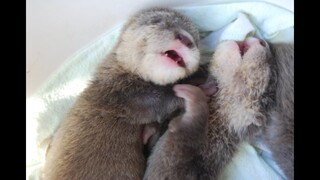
<point x="175" y="57"/>
<point x="243" y="47"/>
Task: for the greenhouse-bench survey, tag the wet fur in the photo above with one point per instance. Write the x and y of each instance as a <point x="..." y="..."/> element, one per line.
<point x="101" y="136"/>
<point x="255" y="103"/>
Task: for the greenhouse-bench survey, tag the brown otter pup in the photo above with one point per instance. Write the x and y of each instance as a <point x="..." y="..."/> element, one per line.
<point x="102" y="137"/>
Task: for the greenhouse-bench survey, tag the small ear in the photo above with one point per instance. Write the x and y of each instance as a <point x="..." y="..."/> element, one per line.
<point x="148" y="131"/>
<point x="173" y="126"/>
<point x="209" y="88"/>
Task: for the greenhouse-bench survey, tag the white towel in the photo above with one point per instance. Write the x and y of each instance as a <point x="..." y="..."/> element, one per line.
<point x="237" y="30"/>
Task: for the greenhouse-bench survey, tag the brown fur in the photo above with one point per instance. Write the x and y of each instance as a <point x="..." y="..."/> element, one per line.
<point x="254" y="103"/>
<point x="101" y="136"/>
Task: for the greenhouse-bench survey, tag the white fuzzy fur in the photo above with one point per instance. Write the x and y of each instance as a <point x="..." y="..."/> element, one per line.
<point x="153" y="69"/>
<point x="229" y="68"/>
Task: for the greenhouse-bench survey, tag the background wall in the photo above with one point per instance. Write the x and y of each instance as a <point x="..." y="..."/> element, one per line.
<point x="56" y="29"/>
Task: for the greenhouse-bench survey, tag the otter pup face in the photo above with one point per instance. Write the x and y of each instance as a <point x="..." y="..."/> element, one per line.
<point x="242" y="66"/>
<point x="160" y="45"/>
<point x="242" y="71"/>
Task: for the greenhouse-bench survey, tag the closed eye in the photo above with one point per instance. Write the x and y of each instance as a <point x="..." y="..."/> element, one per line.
<point x="155" y="21"/>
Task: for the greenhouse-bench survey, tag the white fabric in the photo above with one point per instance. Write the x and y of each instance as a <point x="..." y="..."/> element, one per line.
<point x="237" y="30"/>
<point x="248" y="164"/>
<point x="217" y="22"/>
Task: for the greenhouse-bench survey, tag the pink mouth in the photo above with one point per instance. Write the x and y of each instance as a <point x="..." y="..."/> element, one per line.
<point x="243" y="47"/>
<point x="175" y="57"/>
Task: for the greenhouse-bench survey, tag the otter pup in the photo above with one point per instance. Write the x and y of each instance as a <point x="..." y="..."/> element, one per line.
<point x="254" y="103"/>
<point x="103" y="134"/>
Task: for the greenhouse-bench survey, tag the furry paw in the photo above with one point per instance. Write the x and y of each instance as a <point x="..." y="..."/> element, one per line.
<point x="196" y="109"/>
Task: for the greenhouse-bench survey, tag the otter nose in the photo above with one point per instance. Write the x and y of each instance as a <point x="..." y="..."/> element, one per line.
<point x="262" y="43"/>
<point x="184" y="40"/>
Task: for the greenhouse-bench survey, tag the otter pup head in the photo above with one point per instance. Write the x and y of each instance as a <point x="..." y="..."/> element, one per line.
<point x="160" y="45"/>
<point x="243" y="73"/>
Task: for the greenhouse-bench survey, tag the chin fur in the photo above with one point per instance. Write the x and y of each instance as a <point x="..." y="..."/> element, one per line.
<point x="155" y="70"/>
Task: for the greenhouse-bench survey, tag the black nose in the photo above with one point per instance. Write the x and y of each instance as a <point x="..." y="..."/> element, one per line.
<point x="184" y="39"/>
<point x="262" y="43"/>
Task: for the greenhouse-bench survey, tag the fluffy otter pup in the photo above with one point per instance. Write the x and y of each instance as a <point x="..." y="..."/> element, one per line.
<point x="254" y="103"/>
<point x="102" y="136"/>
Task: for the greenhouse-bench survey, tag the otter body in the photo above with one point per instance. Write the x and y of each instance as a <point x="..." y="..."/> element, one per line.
<point x="102" y="135"/>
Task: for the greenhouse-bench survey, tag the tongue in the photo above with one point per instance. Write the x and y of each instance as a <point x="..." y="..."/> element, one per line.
<point x="175" y="57"/>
